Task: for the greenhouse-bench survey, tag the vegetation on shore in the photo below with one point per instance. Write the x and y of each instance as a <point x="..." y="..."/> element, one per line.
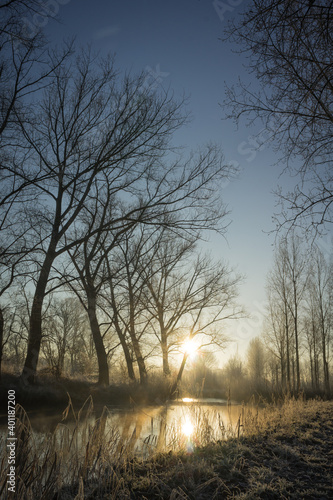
<point x="284" y="451"/>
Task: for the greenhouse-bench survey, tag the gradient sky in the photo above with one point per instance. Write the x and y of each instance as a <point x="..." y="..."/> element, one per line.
<point x="179" y="41"/>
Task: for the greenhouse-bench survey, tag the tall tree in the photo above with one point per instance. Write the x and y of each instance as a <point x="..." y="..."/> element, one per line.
<point x="26" y="67"/>
<point x="290" y="49"/>
<point x="91" y="130"/>
<point x="276" y="336"/>
<point x="320" y="297"/>
<point x="287" y="286"/>
<point x="63" y="324"/>
<point x="280" y="295"/>
<point x="312" y="333"/>
<point x="186" y="292"/>
<point x="297" y="268"/>
<point x="165" y="273"/>
<point x="256" y="360"/>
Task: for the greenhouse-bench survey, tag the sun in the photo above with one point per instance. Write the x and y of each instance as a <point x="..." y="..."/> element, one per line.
<point x="190" y="347"/>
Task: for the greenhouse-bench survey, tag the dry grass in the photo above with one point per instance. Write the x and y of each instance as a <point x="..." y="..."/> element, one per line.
<point x="280" y="451"/>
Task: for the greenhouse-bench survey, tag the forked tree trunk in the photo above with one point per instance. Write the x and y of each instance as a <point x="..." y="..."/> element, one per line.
<point x="103" y="368"/>
<point x="127" y="354"/>
<point x="139" y="359"/>
<point x="120" y="333"/>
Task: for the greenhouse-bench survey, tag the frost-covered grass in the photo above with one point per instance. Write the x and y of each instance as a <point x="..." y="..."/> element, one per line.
<point x="283" y="451"/>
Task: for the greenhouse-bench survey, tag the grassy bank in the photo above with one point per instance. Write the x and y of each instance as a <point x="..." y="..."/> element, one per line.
<point x="284" y="451"/>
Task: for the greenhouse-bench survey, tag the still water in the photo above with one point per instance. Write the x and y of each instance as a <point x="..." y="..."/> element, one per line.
<point x="181" y="423"/>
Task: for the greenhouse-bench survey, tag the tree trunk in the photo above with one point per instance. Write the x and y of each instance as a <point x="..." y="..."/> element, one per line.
<point x="164" y="339"/>
<point x="1" y="339"/>
<point x="287" y="349"/>
<point x="312" y="373"/>
<point x="179" y="376"/>
<point x="293" y="372"/>
<point x="298" y="377"/>
<point x="315" y="359"/>
<point x="283" y="368"/>
<point x="122" y="339"/>
<point x="139" y="359"/>
<point x="35" y="328"/>
<point x="134" y="338"/>
<point x="165" y="355"/>
<point x="103" y="369"/>
<point x="127" y="354"/>
<point x="325" y="367"/>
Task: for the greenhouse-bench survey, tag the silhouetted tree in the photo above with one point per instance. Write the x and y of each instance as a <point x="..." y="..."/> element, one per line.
<point x="165" y="274"/>
<point x="26" y="67"/>
<point x="256" y="360"/>
<point x="286" y="287"/>
<point x="290" y="48"/>
<point x="320" y="301"/>
<point x="92" y="130"/>
<point x="276" y="334"/>
<point x="63" y="333"/>
<point x="297" y="270"/>
<point x="186" y="294"/>
<point x="126" y="299"/>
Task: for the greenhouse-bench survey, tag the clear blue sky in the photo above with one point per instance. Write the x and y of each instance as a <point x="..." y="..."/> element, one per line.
<point x="179" y="41"/>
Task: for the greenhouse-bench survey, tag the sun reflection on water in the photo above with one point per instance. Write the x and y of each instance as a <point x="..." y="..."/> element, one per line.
<point x="188" y="400"/>
<point x="187" y="427"/>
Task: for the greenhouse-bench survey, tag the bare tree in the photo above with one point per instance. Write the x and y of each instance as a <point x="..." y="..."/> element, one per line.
<point x="26" y="67"/>
<point x="312" y="334"/>
<point x="16" y="326"/>
<point x="92" y="270"/>
<point x="206" y="299"/>
<point x="186" y="294"/>
<point x="290" y="46"/>
<point x="164" y="276"/>
<point x="126" y="286"/>
<point x="62" y="333"/>
<point x="320" y="298"/>
<point x="276" y="334"/>
<point x="287" y="286"/>
<point x="297" y="269"/>
<point x="280" y="320"/>
<point x="92" y="130"/>
<point x="256" y="361"/>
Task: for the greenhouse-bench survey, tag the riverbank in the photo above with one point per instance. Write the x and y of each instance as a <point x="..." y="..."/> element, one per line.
<point x="289" y="456"/>
<point x="49" y="392"/>
<point x="284" y="451"/>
